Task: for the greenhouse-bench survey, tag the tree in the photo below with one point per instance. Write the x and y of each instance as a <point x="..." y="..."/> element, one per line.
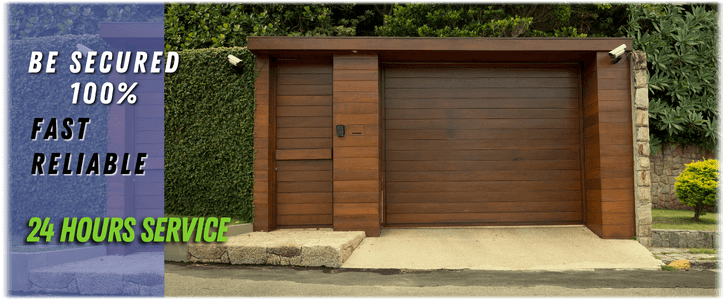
<point x="681" y="45"/>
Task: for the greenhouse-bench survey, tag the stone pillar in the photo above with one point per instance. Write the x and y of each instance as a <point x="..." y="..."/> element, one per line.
<point x="641" y="147"/>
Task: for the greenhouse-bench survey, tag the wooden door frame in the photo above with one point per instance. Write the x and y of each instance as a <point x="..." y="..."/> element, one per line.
<point x="272" y="156"/>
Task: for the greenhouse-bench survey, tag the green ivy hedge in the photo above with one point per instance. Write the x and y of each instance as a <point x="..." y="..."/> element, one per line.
<point x="208" y="135"/>
<point x="49" y="96"/>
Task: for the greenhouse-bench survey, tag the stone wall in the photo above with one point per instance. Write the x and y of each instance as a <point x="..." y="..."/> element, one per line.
<point x="677" y="238"/>
<point x="665" y="167"/>
<point x="641" y="147"/>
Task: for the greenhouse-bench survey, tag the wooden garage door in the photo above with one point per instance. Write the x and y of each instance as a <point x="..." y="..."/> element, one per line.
<point x="482" y="144"/>
<point x="304" y="143"/>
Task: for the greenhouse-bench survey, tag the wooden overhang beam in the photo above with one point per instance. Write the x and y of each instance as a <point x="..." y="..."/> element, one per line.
<point x="277" y="43"/>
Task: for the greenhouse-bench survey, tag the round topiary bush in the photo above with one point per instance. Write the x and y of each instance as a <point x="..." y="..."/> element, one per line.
<point x="697" y="185"/>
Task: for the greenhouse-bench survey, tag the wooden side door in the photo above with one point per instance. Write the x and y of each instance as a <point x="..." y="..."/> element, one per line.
<point x="304" y="140"/>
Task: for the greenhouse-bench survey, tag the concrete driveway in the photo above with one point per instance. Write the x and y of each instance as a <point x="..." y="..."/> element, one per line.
<point x="499" y="248"/>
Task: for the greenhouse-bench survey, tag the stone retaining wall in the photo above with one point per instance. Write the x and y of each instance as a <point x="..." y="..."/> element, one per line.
<point x="678" y="238"/>
<point x="665" y="166"/>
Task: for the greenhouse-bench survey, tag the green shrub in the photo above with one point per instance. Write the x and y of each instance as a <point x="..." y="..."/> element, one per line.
<point x="208" y="135"/>
<point x="697" y="185"/>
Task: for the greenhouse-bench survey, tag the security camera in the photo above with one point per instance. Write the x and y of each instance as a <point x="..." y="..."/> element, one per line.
<point x="616" y="53"/>
<point x="236" y="62"/>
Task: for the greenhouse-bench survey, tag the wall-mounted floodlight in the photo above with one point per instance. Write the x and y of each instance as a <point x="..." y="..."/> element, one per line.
<point x="83" y="49"/>
<point x="617" y="53"/>
<point x="236" y="62"/>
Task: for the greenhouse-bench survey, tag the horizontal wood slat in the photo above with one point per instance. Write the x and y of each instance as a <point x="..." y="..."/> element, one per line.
<point x="464" y="83"/>
<point x="567" y="144"/>
<point x="499" y="218"/>
<point x="512" y="113"/>
<point x="484" y="207"/>
<point x="480" y="155"/>
<point x="482" y="186"/>
<point x="491" y="134"/>
<point x="491" y="103"/>
<point x="482" y="93"/>
<point x="458" y="71"/>
<point x="300" y="154"/>
<point x="304" y="220"/>
<point x="512" y="196"/>
<point x="520" y="165"/>
<point x="479" y="176"/>
<point x="481" y="124"/>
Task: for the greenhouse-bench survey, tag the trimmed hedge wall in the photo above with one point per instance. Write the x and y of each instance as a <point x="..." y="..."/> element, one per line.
<point x="49" y="96"/>
<point x="208" y="135"/>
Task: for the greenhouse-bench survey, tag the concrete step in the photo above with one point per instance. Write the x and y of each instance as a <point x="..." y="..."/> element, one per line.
<point x="140" y="274"/>
<point x="301" y="247"/>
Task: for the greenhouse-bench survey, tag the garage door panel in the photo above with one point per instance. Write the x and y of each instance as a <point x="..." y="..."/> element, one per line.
<point x="478" y="93"/>
<point x="469" y="144"/>
<point x="486" y="218"/>
<point x="476" y="176"/>
<point x="480" y="155"/>
<point x="491" y="134"/>
<point x="515" y="82"/>
<point x="493" y="103"/>
<point x="394" y="166"/>
<point x="443" y="124"/>
<point x="456" y="197"/>
<point x="456" y="71"/>
<point x="483" y="207"/>
<point x="509" y="113"/>
<point x="482" y="186"/>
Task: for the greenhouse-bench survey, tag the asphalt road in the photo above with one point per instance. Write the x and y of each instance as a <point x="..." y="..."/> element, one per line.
<point x="230" y="280"/>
